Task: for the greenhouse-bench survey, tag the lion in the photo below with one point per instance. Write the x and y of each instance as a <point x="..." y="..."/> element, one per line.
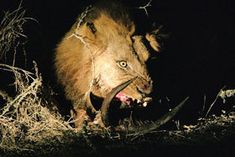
<point x="101" y="52"/>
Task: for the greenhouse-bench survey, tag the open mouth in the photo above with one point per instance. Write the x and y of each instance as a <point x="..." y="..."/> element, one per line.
<point x="125" y="100"/>
<point x="116" y="93"/>
<point x="128" y="101"/>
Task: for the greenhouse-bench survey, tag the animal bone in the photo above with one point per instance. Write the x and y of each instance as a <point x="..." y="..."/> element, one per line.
<point x="106" y="103"/>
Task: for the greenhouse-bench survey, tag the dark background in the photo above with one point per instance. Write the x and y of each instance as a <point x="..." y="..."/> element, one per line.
<point x="197" y="59"/>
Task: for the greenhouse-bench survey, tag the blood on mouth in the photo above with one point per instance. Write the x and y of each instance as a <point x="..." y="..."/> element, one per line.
<point x="123" y="98"/>
<point x="130" y="101"/>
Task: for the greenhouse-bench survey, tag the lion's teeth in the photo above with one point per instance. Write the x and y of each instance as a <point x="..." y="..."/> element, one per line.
<point x="95" y="122"/>
<point x="138" y="101"/>
<point x="148" y="99"/>
<point x="145" y="104"/>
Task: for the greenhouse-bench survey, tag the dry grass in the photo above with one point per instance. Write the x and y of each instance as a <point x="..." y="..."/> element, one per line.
<point x="25" y="117"/>
<point x="11" y="33"/>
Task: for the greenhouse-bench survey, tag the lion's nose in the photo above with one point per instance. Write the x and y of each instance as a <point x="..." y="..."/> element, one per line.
<point x="145" y="88"/>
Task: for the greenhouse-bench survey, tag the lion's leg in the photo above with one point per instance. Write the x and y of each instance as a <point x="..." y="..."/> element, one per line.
<point x="98" y="120"/>
<point x="80" y="116"/>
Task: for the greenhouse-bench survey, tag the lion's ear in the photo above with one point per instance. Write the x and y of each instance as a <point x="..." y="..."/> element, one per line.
<point x="131" y="29"/>
<point x="87" y="31"/>
<point x="91" y="26"/>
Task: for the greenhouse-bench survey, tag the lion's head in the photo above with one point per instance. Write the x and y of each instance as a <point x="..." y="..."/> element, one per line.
<point x="100" y="52"/>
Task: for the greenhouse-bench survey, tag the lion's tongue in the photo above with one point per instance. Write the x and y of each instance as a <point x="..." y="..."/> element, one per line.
<point x="123" y="98"/>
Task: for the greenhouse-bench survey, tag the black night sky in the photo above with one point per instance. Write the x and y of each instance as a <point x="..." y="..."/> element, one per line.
<point x="197" y="59"/>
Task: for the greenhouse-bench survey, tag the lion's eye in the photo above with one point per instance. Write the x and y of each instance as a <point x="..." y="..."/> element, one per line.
<point x="122" y="64"/>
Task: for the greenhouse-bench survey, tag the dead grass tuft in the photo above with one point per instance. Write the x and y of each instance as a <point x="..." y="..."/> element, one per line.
<point x="25" y="117"/>
<point x="11" y="33"/>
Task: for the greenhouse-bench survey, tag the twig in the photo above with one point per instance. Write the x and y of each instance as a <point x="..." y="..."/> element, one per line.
<point x="145" y="7"/>
<point x="11" y="30"/>
<point x="83" y="15"/>
<point x="212" y="104"/>
<point x="83" y="40"/>
<point x="204" y="105"/>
